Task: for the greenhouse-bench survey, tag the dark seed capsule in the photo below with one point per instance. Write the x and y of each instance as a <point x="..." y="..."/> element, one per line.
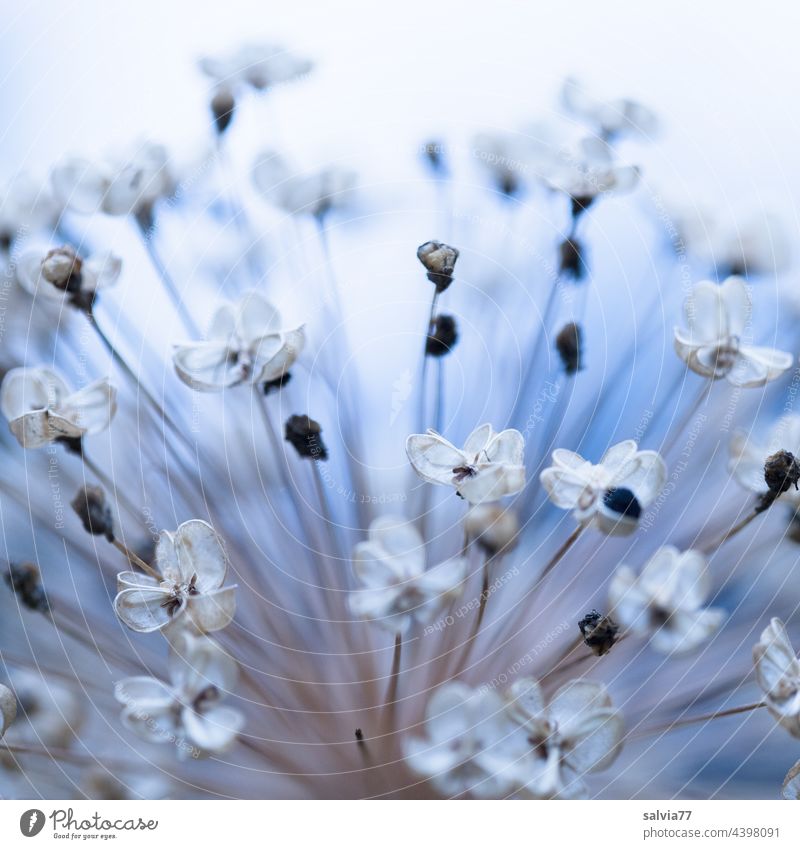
<point x="439" y="261"/>
<point x="599" y="632"/>
<point x="223" y="105"/>
<point x="306" y="436"/>
<point x="94" y="512"/>
<point x="781" y="472"/>
<point x="569" y="344"/>
<point x="571" y="260"/>
<point x="25" y="580"/>
<point x="623" y="501"/>
<point x="270" y="386"/>
<point x="443" y="336"/>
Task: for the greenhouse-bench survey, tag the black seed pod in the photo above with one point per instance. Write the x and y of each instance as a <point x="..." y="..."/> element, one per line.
<point x="781" y="472"/>
<point x="433" y="151"/>
<point x="306" y="436"/>
<point x="623" y="501"/>
<point x="569" y="344"/>
<point x="25" y="580"/>
<point x="599" y="632"/>
<point x="443" y="336"/>
<point x="571" y="261"/>
<point x="275" y="385"/>
<point x="94" y="512"/>
<point x="580" y="205"/>
<point x="223" y="105"/>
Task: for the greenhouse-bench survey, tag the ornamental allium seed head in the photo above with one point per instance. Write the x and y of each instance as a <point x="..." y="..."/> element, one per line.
<point x="599" y="632"/>
<point x="781" y="472"/>
<point x="443" y="336"/>
<point x="62" y="268"/>
<point x="569" y="344"/>
<point x="493" y="528"/>
<point x="306" y="436"/>
<point x="94" y="512"/>
<point x="440" y="261"/>
<point x="223" y="105"/>
<point x="8" y="708"/>
<point x="571" y="259"/>
<point x="25" y="580"/>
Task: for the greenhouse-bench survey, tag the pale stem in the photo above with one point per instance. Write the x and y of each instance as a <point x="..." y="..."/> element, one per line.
<point x="682" y="723"/>
<point x="731" y="532"/>
<point x="111" y="486"/>
<point x="135" y="560"/>
<point x="676" y="432"/>
<point x="391" y="695"/>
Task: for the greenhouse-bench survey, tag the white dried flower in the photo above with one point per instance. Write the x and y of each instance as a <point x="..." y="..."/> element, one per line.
<point x="398" y="590"/>
<point x="748" y="455"/>
<point x="41" y="408"/>
<point x="61" y="273"/>
<point x="314" y="193"/>
<point x="778" y="675"/>
<point x="8" y="708"/>
<point x="246" y="344"/>
<point x="193" y="564"/>
<point x="791" y="784"/>
<point x="493" y="527"/>
<point x="187" y="711"/>
<point x="489" y="466"/>
<point x="609" y="117"/>
<point x="589" y="169"/>
<point x="471" y="745"/>
<point x="578" y="732"/>
<point x="665" y="601"/>
<point x="717" y="317"/>
<point x="257" y="65"/>
<point x="127" y="182"/>
<point x="611" y="494"/>
<point x="26" y="205"/>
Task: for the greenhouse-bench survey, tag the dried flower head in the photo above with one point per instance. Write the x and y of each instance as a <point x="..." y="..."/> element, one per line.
<point x="749" y="456"/>
<point x="569" y="344"/>
<point x="94" y="511"/>
<point x="439" y="261"/>
<point x="442" y="337"/>
<point x="26" y="581"/>
<point x="718" y="316"/>
<point x="192" y="564"/>
<point x="791" y="784"/>
<point x="778" y="675"/>
<point x="489" y="466"/>
<point x="599" y="632"/>
<point x="40" y="407"/>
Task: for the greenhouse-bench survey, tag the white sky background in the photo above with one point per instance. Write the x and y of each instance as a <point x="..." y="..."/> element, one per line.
<point x="76" y="75"/>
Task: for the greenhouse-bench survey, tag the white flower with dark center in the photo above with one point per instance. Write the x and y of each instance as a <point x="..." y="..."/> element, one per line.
<point x="609" y="117"/>
<point x="717" y="317"/>
<point x="578" y="732"/>
<point x="257" y="65"/>
<point x="126" y="183"/>
<point x="41" y="408"/>
<point x="590" y="169"/>
<point x="397" y="589"/>
<point x="778" y="675"/>
<point x="489" y="466"/>
<point x="748" y="455"/>
<point x="192" y="564"/>
<point x="25" y="205"/>
<point x="611" y="494"/>
<point x="312" y="193"/>
<point x="471" y="745"/>
<point x="246" y="344"/>
<point x="665" y="601"/>
<point x="61" y="273"/>
<point x="187" y="711"/>
<point x="791" y="784"/>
